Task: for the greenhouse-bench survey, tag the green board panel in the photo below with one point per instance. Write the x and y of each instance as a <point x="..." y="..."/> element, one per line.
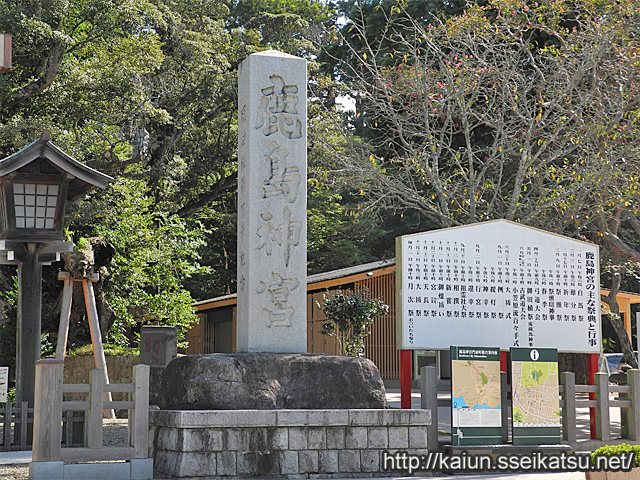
<point x="536" y="436"/>
<point x="535" y="398"/>
<point x="475" y="396"/>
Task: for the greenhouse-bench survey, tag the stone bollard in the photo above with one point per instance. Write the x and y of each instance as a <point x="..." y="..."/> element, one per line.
<point x="158" y="346"/>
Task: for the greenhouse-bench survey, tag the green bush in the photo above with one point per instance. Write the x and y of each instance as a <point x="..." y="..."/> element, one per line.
<point x="111" y="350"/>
<point x="350" y="316"/>
<point x="609" y="450"/>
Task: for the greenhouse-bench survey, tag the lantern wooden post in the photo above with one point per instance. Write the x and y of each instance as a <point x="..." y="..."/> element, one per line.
<point x="35" y="185"/>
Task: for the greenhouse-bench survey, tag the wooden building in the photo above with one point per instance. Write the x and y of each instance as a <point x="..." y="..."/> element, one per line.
<point x="216" y="331"/>
<point x="217" y="327"/>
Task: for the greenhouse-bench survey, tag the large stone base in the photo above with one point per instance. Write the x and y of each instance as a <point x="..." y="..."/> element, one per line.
<point x="264" y="381"/>
<point x="284" y="444"/>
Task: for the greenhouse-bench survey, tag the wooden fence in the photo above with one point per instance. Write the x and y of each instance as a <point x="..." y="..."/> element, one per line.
<point x="628" y="401"/>
<point x="572" y="396"/>
<point x="50" y="407"/>
<point x="15" y="427"/>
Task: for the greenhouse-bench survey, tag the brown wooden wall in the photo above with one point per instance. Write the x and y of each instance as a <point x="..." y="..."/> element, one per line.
<point x="194" y="336"/>
<point x="380" y="346"/>
<point x="316" y="342"/>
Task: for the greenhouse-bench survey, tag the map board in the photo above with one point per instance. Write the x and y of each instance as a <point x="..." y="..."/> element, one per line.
<point x="475" y="396"/>
<point x="497" y="283"/>
<point x="4" y="384"/>
<point x="535" y="397"/>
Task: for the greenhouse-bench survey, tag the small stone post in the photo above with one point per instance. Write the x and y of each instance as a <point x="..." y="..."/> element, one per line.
<point x="158" y="346"/>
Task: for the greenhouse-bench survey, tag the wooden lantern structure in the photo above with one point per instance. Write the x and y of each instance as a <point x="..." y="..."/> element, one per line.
<point x="35" y="185"/>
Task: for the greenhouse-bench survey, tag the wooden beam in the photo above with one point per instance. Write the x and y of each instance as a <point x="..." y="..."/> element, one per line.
<point x="96" y="338"/>
<point x="65" y="314"/>
<point x="323" y="285"/>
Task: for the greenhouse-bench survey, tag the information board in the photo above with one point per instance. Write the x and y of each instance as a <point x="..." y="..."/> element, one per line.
<point x="497" y="283"/>
<point x="475" y="396"/>
<point x="4" y="384"/>
<point x="535" y="396"/>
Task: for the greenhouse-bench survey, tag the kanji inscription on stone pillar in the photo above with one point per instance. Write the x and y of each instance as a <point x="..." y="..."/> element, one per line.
<point x="272" y="204"/>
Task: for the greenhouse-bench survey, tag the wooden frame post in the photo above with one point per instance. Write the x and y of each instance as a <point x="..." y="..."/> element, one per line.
<point x="603" y="420"/>
<point x="139" y="418"/>
<point x="65" y="314"/>
<point x="592" y="369"/>
<point x="631" y="427"/>
<point x="29" y="322"/>
<point x="429" y="401"/>
<point x="405" y="378"/>
<point x="569" y="431"/>
<point x="47" y="412"/>
<point x="96" y="398"/>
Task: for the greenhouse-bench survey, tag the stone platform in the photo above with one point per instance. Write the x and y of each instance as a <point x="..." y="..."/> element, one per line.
<point x="282" y="444"/>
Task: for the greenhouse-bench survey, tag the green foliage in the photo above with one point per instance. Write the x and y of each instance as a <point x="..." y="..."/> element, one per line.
<point x="110" y="349"/>
<point x="350" y="317"/>
<point x="471" y="117"/>
<point x="11" y="397"/>
<point x="155" y="251"/>
<point x="46" y="347"/>
<point x="609" y="450"/>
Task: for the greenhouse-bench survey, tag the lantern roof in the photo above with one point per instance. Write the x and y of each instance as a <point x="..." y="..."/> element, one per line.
<point x="43" y="156"/>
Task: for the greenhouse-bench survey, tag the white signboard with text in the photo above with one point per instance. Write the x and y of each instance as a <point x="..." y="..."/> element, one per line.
<point x="497" y="283"/>
<point x="4" y="384"/>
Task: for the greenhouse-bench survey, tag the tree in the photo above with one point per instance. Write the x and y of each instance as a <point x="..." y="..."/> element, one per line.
<point x="154" y="252"/>
<point x="350" y="315"/>
<point x="527" y="112"/>
<point x="146" y="92"/>
<point x="476" y="117"/>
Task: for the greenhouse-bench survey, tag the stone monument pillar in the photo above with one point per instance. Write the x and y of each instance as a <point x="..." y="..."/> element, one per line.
<point x="272" y="204"/>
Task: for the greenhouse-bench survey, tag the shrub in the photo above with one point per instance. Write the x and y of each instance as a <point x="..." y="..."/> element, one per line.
<point x="350" y="316"/>
<point x="609" y="450"/>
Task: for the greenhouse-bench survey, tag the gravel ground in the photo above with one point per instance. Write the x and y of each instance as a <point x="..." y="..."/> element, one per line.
<point x="115" y="433"/>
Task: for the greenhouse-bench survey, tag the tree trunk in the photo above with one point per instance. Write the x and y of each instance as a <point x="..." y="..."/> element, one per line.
<point x="616" y="322"/>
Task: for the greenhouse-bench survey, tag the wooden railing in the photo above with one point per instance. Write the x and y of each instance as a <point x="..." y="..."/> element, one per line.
<point x="49" y="408"/>
<point x="572" y="396"/>
<point x="15" y="427"/>
<point x="628" y="401"/>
